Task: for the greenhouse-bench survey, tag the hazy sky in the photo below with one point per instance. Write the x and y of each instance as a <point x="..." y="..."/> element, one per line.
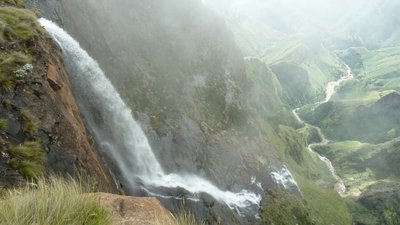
<point x="320" y="14"/>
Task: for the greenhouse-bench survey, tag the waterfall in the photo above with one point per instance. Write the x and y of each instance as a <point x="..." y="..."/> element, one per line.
<point x="119" y="135"/>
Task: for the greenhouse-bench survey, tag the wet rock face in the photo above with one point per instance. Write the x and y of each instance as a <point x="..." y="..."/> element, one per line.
<point x="8" y="176"/>
<point x="40" y="108"/>
<point x="68" y="144"/>
<point x="178" y="67"/>
<point x="181" y="69"/>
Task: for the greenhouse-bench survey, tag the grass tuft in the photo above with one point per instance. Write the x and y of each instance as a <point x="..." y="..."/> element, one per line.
<point x="7" y="104"/>
<point x="187" y="218"/>
<point x="14" y="60"/>
<point x="28" y="158"/>
<point x="6" y="83"/>
<point x="31" y="125"/>
<point x="3" y="124"/>
<point x="51" y="202"/>
<point x="17" y="25"/>
<point x="17" y="3"/>
<point x="286" y="208"/>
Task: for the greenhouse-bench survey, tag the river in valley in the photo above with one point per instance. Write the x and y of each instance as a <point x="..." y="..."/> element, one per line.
<point x="329" y="92"/>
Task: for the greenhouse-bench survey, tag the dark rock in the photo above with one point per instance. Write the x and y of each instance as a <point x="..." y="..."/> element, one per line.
<point x="60" y="162"/>
<point x="53" y="84"/>
<point x="207" y="200"/>
<point x="45" y="138"/>
<point x="13" y="127"/>
<point x="8" y="176"/>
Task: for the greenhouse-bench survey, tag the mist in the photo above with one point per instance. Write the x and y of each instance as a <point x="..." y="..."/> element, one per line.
<point x="360" y="19"/>
<point x="266" y="96"/>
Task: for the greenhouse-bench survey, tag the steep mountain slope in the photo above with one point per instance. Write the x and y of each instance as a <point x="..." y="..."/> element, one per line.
<point x="362" y="118"/>
<point x="37" y="107"/>
<point x="205" y="110"/>
<point x="303" y="69"/>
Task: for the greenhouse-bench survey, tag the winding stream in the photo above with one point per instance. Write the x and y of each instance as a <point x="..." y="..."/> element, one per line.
<point x="329" y="91"/>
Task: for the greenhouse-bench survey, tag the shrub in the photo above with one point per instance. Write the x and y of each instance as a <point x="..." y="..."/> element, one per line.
<point x="51" y="202"/>
<point x="28" y="158"/>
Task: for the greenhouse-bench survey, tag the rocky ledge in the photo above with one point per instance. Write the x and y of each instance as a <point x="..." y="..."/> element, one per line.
<point x="126" y="210"/>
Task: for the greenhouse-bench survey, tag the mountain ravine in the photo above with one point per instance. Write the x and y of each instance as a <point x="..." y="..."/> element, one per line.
<point x="202" y="107"/>
<point x="215" y="111"/>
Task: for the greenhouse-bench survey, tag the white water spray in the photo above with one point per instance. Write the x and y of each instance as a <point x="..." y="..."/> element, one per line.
<point x="115" y="129"/>
<point x="285" y="178"/>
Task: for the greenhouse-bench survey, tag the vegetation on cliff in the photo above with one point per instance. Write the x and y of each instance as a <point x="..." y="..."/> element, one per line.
<point x="286" y="208"/>
<point x="21" y="146"/>
<point x="56" y="201"/>
<point x="37" y="106"/>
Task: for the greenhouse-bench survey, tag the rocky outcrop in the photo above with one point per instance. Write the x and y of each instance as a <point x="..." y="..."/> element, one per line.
<point x="38" y="106"/>
<point x="126" y="210"/>
<point x="73" y="140"/>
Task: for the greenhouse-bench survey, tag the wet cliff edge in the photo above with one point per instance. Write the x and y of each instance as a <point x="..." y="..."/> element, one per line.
<point x="38" y="107"/>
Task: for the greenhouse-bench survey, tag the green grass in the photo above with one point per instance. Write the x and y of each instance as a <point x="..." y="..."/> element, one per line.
<point x="264" y="94"/>
<point x="326" y="205"/>
<point x="373" y="119"/>
<point x="51" y="202"/>
<point x="9" y="63"/>
<point x="187" y="218"/>
<point x="14" y="59"/>
<point x="319" y="62"/>
<point x="3" y="124"/>
<point x="31" y="126"/>
<point x="17" y="25"/>
<point x="31" y="123"/>
<point x="17" y="3"/>
<point x="29" y="159"/>
<point x="362" y="165"/>
<point x="285" y="208"/>
<point x="7" y="104"/>
<point x="378" y="205"/>
<point x="310" y="133"/>
<point x="6" y="83"/>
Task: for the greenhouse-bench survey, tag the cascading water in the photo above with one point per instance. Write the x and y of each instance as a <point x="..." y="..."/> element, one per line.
<point x="119" y="135"/>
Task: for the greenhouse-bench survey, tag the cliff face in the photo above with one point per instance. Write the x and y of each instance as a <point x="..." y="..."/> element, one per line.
<point x="43" y="132"/>
<point x="178" y="67"/>
<point x="205" y="110"/>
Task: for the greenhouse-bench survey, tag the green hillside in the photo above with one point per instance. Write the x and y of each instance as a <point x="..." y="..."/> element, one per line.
<point x="303" y="69"/>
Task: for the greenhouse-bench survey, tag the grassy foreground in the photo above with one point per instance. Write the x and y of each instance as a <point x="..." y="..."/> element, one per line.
<point x="51" y="202"/>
